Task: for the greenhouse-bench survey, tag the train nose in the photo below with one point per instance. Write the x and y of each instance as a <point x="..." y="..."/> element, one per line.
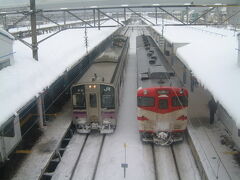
<point x="93" y="119"/>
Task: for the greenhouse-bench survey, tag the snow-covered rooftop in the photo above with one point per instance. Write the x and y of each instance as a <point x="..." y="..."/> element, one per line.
<point x="212" y="56"/>
<point x="6" y="34"/>
<point x="26" y="78"/>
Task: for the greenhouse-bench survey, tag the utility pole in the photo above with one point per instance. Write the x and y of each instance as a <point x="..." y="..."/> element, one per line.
<point x="40" y="99"/>
<point x="238" y="49"/>
<point x="4" y="19"/>
<point x="124" y="12"/>
<point x="187" y="13"/>
<point x="34" y="30"/>
<point x="94" y="17"/>
<point x="156" y="15"/>
<point x="98" y="19"/>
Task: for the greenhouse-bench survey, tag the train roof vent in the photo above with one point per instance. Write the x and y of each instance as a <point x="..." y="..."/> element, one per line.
<point x="144" y="76"/>
<point x="158" y="72"/>
<point x="94" y="78"/>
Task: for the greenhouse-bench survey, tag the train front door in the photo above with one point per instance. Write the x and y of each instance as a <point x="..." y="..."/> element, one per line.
<point x="93" y="107"/>
<point x="162" y="123"/>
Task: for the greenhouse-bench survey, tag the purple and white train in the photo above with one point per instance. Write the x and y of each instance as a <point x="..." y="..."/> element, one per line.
<point x="96" y="96"/>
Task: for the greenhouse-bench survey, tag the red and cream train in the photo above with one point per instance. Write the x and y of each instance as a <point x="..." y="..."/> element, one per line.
<point x="161" y="101"/>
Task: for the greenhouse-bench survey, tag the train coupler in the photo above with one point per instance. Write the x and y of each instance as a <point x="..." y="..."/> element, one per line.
<point x="106" y="128"/>
<point x="83" y="129"/>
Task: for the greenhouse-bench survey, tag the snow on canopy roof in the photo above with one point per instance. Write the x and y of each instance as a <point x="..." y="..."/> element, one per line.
<point x="6" y="34"/>
<point x="212" y="56"/>
<point x="26" y="78"/>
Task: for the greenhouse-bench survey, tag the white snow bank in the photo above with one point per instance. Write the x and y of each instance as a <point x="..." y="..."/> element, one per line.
<point x="212" y="56"/>
<point x="27" y="77"/>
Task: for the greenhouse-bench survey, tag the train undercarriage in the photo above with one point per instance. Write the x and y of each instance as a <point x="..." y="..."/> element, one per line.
<point x="162" y="137"/>
<point x="104" y="128"/>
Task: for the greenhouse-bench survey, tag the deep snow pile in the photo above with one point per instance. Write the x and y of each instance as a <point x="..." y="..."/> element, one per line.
<point x="26" y="78"/>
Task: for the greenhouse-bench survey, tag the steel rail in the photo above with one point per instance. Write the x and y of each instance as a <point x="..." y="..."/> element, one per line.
<point x="98" y="157"/>
<point x="78" y="158"/>
<point x="154" y="162"/>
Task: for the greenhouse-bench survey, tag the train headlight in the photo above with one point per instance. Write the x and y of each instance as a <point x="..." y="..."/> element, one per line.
<point x="90" y="86"/>
<point x="94" y="86"/>
<point x="145" y="92"/>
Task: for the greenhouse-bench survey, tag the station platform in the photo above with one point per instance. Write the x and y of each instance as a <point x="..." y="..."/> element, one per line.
<point x="211" y="144"/>
<point x="36" y="162"/>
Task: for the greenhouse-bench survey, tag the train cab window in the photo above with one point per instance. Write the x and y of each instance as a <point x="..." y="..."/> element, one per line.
<point x="179" y="101"/>
<point x="93" y="100"/>
<point x="163" y="104"/>
<point x="8" y="130"/>
<point x="145" y="101"/>
<point x="79" y="100"/>
<point x="107" y="97"/>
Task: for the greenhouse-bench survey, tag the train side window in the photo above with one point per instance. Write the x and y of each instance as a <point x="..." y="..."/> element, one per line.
<point x="145" y="101"/>
<point x="8" y="130"/>
<point x="179" y="101"/>
<point x="163" y="104"/>
<point x="93" y="100"/>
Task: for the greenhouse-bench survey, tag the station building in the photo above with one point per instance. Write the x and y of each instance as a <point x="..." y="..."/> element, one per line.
<point x="6" y="49"/>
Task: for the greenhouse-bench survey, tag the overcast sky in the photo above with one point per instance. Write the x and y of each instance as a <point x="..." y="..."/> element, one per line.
<point x="74" y="3"/>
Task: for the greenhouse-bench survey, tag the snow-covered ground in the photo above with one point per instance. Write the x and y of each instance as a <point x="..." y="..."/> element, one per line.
<point x="26" y="78"/>
<point x="139" y="156"/>
<point x="211" y="54"/>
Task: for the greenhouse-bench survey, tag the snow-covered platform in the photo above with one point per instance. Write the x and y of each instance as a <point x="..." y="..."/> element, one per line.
<point x="211" y="144"/>
<point x="34" y="165"/>
<point x="213" y="150"/>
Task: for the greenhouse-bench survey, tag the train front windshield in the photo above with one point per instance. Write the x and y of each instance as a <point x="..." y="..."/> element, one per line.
<point x="107" y="97"/>
<point x="179" y="101"/>
<point x="79" y="101"/>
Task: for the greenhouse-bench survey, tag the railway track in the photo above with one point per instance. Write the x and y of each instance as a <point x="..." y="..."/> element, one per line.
<point x="87" y="162"/>
<point x="175" y="162"/>
<point x="81" y="158"/>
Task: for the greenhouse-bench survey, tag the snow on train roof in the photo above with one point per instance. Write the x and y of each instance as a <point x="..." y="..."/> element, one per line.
<point x="211" y="54"/>
<point x="27" y="77"/>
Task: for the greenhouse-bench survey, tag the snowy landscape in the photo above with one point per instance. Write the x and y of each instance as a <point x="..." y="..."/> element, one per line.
<point x="209" y="53"/>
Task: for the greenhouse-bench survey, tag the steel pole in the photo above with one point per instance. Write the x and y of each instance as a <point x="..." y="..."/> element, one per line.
<point x="156" y="15"/>
<point x="98" y="19"/>
<point x="34" y="30"/>
<point x="94" y="14"/>
<point x="124" y="15"/>
<point x="40" y="108"/>
<point x="5" y="22"/>
<point x="238" y="49"/>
